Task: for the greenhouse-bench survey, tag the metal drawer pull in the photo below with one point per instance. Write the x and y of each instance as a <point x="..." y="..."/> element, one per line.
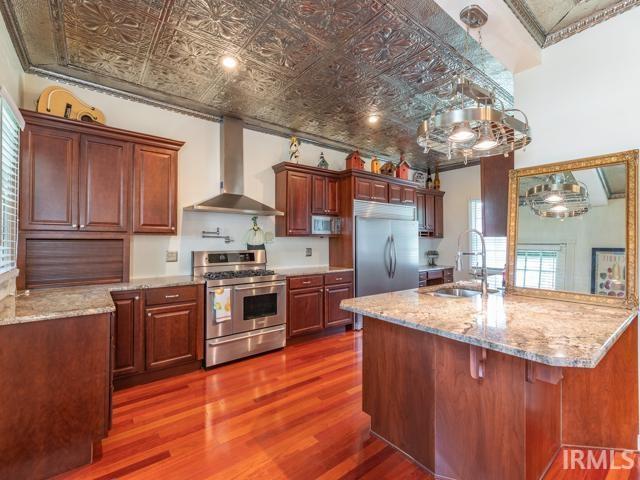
<point x="172" y="296"/>
<point x="245" y="336"/>
<point x="255" y="287"/>
<point x="307" y="282"/>
<point x="338" y="279"/>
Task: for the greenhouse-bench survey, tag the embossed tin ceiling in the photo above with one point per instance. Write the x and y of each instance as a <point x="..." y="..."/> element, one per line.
<point x="314" y="67"/>
<point x="549" y="21"/>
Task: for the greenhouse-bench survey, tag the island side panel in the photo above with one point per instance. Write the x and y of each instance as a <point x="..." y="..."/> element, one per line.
<point x="398" y="387"/>
<point x="600" y="405"/>
<point x="54" y="391"/>
<point x="480" y="423"/>
<point x="542" y="424"/>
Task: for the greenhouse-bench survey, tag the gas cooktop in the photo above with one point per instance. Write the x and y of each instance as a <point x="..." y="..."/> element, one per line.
<point x="237" y="274"/>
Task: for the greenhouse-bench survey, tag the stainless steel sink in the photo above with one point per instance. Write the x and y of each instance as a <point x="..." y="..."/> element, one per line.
<point x="456" y="292"/>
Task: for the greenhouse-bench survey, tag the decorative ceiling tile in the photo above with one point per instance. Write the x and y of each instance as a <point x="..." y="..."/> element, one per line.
<point x="427" y="70"/>
<point x="109" y="24"/>
<point x="229" y="23"/>
<point x="101" y="60"/>
<point x="182" y="83"/>
<point x="181" y="51"/>
<point x="283" y="47"/>
<point x="329" y="20"/>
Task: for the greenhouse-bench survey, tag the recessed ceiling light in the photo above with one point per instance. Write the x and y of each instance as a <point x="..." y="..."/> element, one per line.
<point x="229" y="62"/>
<point x="374" y="118"/>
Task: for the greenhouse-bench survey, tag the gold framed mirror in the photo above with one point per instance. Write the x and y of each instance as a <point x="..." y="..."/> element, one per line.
<point x="572" y="230"/>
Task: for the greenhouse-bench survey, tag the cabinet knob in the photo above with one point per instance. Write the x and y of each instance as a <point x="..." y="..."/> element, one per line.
<point x="75" y="225"/>
<point x="81" y="226"/>
<point x="149" y="314"/>
<point x="136" y="297"/>
<point x="173" y="228"/>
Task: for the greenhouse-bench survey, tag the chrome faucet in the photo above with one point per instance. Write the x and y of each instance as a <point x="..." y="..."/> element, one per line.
<point x="483" y="254"/>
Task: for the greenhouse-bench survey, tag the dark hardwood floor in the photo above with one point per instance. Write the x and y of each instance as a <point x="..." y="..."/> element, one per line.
<point x="291" y="414"/>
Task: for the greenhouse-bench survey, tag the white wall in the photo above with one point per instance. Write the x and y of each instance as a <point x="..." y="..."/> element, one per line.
<point x="10" y="69"/>
<point x="199" y="179"/>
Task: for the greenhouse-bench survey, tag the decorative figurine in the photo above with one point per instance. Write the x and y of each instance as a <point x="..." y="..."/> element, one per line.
<point x="354" y="161"/>
<point x="323" y="162"/>
<point x="255" y="236"/>
<point x="388" y="169"/>
<point x="294" y="149"/>
<point x="375" y="164"/>
<point x="421" y="178"/>
<point x="402" y="171"/>
<point x="436" y="180"/>
<point x="429" y="180"/>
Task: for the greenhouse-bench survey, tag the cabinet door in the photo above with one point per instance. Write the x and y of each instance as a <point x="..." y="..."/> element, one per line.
<point x="333" y="295"/>
<point x="305" y="311"/>
<point x="438" y="229"/>
<point x="318" y="195"/>
<point x="395" y="193"/>
<point x="104" y="186"/>
<point x="298" y="203"/>
<point x="128" y="333"/>
<point x="363" y="189"/>
<point x="420" y="211"/>
<point x="155" y="179"/>
<point x="170" y="335"/>
<point x="49" y="179"/>
<point x="332" y="198"/>
<point x="429" y="213"/>
<point x="494" y="188"/>
<point x="379" y="191"/>
<point x="408" y="196"/>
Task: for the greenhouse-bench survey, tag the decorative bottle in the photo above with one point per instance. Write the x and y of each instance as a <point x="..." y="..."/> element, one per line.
<point x="436" y="180"/>
<point x="429" y="180"/>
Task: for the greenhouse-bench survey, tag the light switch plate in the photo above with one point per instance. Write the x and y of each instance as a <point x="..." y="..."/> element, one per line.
<point x="309" y="252"/>
<point x="172" y="256"/>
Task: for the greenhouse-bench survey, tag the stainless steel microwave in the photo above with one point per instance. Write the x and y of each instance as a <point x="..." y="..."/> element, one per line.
<point x="323" y="225"/>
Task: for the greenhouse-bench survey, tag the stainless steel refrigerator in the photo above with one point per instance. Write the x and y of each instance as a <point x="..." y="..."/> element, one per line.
<point x="386" y="249"/>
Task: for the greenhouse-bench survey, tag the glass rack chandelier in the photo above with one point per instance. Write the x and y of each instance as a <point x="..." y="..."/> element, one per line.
<point x="560" y="196"/>
<point x="472" y="122"/>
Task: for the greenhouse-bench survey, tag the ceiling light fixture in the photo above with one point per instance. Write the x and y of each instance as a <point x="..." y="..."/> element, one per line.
<point x="229" y="62"/>
<point x="470" y="121"/>
<point x="374" y="118"/>
<point x="559" y="196"/>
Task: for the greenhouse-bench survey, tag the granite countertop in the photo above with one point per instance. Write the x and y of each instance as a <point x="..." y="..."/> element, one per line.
<point x="52" y="303"/>
<point x="431" y="268"/>
<point x="552" y="332"/>
<point x="311" y="270"/>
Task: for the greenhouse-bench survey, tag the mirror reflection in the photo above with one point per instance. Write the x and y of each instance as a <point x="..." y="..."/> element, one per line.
<point x="571" y="231"/>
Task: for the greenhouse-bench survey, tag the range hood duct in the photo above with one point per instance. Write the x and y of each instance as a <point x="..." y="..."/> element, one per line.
<point x="232" y="198"/>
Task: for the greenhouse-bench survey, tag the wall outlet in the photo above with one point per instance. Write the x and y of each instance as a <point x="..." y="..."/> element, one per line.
<point x="171" y="256"/>
<point x="309" y="252"/>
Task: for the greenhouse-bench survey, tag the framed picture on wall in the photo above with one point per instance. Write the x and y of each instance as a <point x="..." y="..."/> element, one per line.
<point x="608" y="271"/>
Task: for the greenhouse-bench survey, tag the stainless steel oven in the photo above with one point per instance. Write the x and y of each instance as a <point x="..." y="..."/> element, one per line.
<point x="246" y="304"/>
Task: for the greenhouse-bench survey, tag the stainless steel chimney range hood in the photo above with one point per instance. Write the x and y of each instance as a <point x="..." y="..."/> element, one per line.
<point x="232" y="198"/>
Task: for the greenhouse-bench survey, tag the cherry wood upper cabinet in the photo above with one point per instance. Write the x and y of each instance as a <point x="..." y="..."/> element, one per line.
<point x="49" y="179"/>
<point x="430" y="212"/>
<point x="438" y="224"/>
<point x="402" y="194"/>
<point x="494" y="188"/>
<point x="420" y="211"/>
<point x="294" y="198"/>
<point x="362" y="188"/>
<point x="105" y="181"/>
<point x="324" y="195"/>
<point x="155" y="186"/>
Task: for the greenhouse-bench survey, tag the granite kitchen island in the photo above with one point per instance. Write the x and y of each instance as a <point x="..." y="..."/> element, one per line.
<point x="491" y="388"/>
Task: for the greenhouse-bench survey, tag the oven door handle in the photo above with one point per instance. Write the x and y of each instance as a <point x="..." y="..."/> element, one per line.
<point x="261" y="285"/>
<point x="245" y="336"/>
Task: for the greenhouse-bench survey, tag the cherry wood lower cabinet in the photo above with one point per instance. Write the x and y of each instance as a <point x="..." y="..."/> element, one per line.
<point x="313" y="302"/>
<point x="477" y="414"/>
<point x="159" y="332"/>
<point x="55" y="392"/>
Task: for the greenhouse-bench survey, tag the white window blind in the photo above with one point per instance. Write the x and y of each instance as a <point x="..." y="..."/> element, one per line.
<point x="540" y="266"/>
<point x="11" y="123"/>
<point x="496" y="246"/>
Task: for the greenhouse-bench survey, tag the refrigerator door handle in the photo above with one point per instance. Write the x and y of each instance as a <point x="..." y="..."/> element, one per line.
<point x="386" y="255"/>
<point x="394" y="257"/>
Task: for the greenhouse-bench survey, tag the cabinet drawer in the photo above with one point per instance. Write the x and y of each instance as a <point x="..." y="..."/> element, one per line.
<point x="448" y="275"/>
<point x="433" y="274"/>
<point x="338" y="277"/>
<point x="159" y="296"/>
<point x="422" y="276"/>
<point x="305" y="282"/>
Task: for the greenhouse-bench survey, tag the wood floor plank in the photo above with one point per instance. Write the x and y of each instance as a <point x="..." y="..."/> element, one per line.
<point x="294" y="414"/>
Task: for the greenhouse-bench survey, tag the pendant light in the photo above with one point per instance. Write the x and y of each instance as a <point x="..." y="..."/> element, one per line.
<point x="559" y="196"/>
<point x="469" y="121"/>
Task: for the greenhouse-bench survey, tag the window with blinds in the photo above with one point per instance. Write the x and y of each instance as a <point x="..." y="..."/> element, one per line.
<point x="10" y="148"/>
<point x="496" y="246"/>
<point x="540" y="266"/>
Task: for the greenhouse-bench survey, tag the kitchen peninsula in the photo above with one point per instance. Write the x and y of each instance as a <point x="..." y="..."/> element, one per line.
<point x="488" y="388"/>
